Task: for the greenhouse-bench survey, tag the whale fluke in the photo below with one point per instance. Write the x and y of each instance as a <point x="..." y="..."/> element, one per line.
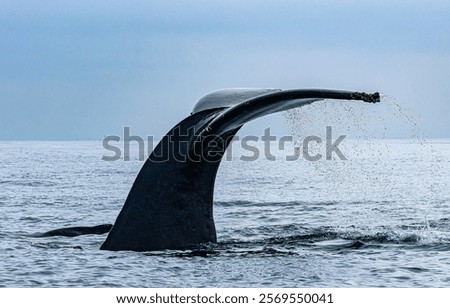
<point x="170" y="205"/>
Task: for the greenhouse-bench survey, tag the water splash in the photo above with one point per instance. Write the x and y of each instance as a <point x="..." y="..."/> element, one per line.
<point x="373" y="162"/>
<point x="403" y="115"/>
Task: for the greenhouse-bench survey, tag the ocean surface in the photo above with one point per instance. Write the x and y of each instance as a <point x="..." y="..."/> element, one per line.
<point x="381" y="218"/>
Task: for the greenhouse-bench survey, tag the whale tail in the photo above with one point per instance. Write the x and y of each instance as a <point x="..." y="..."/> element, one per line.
<point x="170" y="205"/>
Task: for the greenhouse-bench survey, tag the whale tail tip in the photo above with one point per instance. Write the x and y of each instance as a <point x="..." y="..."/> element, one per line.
<point x="369" y="98"/>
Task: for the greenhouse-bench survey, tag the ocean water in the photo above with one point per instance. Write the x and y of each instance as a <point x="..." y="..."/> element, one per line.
<point x="381" y="218"/>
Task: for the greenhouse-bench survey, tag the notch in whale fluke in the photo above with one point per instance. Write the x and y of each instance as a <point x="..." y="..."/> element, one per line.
<point x="170" y="205"/>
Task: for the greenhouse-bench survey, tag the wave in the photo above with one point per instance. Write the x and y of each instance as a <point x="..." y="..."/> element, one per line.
<point x="272" y="204"/>
<point x="28" y="183"/>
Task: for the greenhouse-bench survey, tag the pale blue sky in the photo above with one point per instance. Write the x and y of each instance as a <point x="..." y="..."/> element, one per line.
<point x="84" y="69"/>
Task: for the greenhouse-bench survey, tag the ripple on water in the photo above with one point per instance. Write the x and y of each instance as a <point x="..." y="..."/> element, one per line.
<point x="359" y="223"/>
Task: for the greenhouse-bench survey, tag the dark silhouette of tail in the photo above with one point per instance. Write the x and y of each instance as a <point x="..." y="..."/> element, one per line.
<point x="170" y="205"/>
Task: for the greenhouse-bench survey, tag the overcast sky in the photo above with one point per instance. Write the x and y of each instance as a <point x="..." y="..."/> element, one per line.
<point x="84" y="69"/>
